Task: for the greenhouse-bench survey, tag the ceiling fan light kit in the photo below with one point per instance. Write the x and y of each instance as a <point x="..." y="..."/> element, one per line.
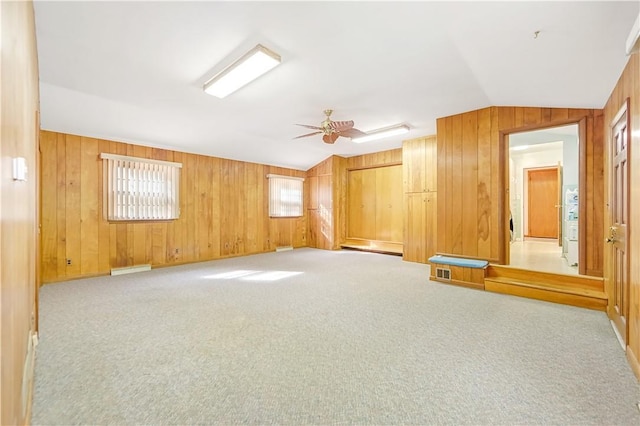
<point x="382" y="133"/>
<point x="332" y="130"/>
<point x="250" y="66"/>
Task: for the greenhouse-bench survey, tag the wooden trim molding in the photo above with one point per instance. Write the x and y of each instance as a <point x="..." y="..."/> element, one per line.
<point x="375" y="166"/>
<point x="582" y="191"/>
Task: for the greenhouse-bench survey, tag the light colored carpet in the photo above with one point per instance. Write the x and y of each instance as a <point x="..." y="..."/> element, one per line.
<point x="354" y="338"/>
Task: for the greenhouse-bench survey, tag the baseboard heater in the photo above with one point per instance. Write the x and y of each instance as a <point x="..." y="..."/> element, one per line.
<point x="284" y="248"/>
<point x="130" y="269"/>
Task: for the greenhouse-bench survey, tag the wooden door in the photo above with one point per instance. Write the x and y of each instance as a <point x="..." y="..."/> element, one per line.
<point x="618" y="268"/>
<point x="542" y="201"/>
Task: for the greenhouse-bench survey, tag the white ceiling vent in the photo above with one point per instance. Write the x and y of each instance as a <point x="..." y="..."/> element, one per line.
<point x="633" y="41"/>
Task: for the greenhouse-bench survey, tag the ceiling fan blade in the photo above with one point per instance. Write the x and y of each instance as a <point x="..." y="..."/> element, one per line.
<point x="308" y="134"/>
<point x="310" y="127"/>
<point x="330" y="138"/>
<point x="352" y="133"/>
<point x="340" y="126"/>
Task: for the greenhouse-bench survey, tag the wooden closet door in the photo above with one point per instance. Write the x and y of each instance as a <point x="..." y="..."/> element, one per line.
<point x="374" y="200"/>
<point x="389" y="203"/>
<point x="361" y="217"/>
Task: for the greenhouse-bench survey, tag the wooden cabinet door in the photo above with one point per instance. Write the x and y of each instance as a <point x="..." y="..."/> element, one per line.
<point x="388" y="222"/>
<point x="419" y="164"/>
<point x="415" y="239"/>
<point x="414" y="165"/>
<point x="420" y="227"/>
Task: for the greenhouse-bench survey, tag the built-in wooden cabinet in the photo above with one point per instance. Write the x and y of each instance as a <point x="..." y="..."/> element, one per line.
<point x="419" y="226"/>
<point x="420" y="183"/>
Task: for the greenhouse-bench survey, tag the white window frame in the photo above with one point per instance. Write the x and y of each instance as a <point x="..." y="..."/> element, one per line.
<point x="286" y="196"/>
<point x="140" y="189"/>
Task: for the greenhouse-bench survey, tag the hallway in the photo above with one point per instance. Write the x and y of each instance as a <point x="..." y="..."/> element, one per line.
<point x="541" y="255"/>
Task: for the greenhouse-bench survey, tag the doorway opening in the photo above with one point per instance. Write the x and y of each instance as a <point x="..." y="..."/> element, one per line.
<point x="544" y="193"/>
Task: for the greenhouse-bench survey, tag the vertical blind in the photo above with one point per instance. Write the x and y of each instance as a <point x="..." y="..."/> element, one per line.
<point x="285" y="196"/>
<point x="140" y="189"/>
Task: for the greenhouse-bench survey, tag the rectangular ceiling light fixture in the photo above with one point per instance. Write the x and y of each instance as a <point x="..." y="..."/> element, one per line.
<point x="382" y="133"/>
<point x="250" y="66"/>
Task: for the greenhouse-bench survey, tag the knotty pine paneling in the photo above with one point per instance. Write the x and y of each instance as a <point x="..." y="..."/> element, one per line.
<point x="628" y="86"/>
<point x="223" y="211"/>
<point x="18" y="209"/>
<point x="472" y="166"/>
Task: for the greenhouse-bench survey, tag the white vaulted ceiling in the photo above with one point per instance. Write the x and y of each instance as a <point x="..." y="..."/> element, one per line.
<point x="133" y="71"/>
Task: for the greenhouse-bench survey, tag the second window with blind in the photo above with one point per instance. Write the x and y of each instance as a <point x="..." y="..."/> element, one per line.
<point x="285" y="196"/>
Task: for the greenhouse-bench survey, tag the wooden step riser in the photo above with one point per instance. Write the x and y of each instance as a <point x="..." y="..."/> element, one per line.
<point x="546" y="295"/>
<point x="373" y="245"/>
<point x="553" y="288"/>
<point x="542" y="278"/>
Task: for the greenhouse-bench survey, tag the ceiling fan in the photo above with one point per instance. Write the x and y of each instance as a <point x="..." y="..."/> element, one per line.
<point x="332" y="130"/>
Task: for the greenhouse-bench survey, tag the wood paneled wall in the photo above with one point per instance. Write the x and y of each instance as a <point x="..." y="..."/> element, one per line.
<point x="223" y="211"/>
<point x="628" y="86"/>
<point x="18" y="208"/>
<point x="420" y="166"/>
<point x="472" y="160"/>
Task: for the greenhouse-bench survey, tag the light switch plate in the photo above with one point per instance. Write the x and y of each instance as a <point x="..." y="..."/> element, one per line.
<point x="19" y="168"/>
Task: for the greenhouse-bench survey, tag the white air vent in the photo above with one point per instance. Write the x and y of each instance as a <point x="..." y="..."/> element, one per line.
<point x="443" y="274"/>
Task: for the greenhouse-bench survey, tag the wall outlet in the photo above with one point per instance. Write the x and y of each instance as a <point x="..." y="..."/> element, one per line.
<point x="68" y="261"/>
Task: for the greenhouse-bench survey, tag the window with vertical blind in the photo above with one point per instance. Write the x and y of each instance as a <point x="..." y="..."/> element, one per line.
<point x="140" y="189"/>
<point x="285" y="196"/>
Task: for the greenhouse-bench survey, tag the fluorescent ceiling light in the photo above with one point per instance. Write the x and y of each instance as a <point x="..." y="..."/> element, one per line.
<point x="382" y="133"/>
<point x="250" y="66"/>
<point x="520" y="148"/>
